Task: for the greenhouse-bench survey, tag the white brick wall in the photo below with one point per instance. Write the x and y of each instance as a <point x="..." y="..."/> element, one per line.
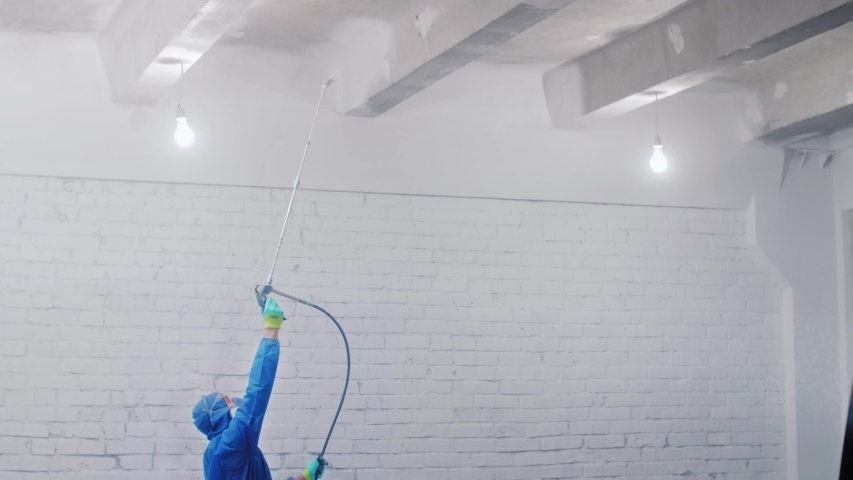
<point x="490" y="339"/>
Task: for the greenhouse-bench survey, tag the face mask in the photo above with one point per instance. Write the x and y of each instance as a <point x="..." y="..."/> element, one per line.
<point x="233" y="411"/>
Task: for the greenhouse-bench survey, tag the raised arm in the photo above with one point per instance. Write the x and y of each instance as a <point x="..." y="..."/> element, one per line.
<point x="248" y="419"/>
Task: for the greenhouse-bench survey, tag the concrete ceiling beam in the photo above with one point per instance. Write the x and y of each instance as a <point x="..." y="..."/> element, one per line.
<point x="433" y="40"/>
<point x="145" y="44"/>
<point x="809" y="101"/>
<point x="689" y="46"/>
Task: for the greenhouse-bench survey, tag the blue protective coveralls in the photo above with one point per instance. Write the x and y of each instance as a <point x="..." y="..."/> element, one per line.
<point x="233" y="451"/>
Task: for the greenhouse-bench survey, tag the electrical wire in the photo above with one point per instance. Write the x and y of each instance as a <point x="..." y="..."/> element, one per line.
<point x="657" y="116"/>
<point x="181" y="83"/>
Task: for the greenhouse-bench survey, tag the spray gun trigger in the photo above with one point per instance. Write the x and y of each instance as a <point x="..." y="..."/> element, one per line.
<point x="261" y="295"/>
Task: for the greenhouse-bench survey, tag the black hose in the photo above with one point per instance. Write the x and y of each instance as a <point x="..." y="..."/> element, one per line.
<point x="261" y="296"/>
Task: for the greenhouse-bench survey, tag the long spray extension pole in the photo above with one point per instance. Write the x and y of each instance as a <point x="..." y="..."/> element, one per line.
<point x="261" y="293"/>
<point x="298" y="175"/>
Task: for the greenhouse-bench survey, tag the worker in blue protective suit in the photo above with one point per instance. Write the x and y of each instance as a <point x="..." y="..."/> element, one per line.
<point x="233" y="426"/>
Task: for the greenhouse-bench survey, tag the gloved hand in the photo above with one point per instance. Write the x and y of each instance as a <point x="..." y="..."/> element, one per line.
<point x="310" y="473"/>
<point x="273" y="316"/>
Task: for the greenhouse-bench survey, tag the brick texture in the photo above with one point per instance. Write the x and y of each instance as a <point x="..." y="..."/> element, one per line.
<point x="491" y="340"/>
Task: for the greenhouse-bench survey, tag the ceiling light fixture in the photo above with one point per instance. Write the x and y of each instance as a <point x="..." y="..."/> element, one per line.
<point x="658" y="162"/>
<point x="184" y="135"/>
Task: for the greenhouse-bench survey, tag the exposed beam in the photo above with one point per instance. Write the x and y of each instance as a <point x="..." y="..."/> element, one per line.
<point x="805" y="102"/>
<point x="689" y="46"/>
<point x="475" y="39"/>
<point x="146" y="41"/>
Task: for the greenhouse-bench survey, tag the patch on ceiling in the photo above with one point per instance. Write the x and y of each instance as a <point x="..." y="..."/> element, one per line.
<point x="423" y="21"/>
<point x="753" y="109"/>
<point x="781" y="90"/>
<point x="47" y="16"/>
<point x="676" y="37"/>
<point x="849" y="98"/>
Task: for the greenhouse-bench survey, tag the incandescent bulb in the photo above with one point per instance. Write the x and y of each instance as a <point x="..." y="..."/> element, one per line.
<point x="184" y="135"/>
<point x="658" y="161"/>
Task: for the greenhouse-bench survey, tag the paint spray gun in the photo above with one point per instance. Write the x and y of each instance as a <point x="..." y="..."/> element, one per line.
<point x="261" y="293"/>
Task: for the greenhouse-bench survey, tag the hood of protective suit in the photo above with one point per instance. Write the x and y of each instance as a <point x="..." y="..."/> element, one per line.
<point x="210" y="415"/>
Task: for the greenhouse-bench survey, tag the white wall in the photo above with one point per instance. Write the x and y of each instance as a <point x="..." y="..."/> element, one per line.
<point x="491" y="339"/>
<point x="842" y="178"/>
<point x="482" y="132"/>
<point x="795" y="227"/>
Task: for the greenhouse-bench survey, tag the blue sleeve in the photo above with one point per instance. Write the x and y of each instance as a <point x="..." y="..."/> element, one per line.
<point x="245" y="428"/>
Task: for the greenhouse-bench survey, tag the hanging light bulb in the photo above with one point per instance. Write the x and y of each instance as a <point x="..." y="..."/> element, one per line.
<point x="658" y="161"/>
<point x="184" y="135"/>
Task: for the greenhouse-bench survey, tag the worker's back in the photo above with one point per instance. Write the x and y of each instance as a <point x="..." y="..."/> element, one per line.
<point x="222" y="464"/>
<point x="233" y="451"/>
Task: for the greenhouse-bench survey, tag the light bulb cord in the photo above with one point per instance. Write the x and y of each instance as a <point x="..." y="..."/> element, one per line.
<point x="181" y="84"/>
<point x="657" y="117"/>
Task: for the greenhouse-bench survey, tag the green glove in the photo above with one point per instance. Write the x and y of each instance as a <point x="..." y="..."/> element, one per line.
<point x="311" y="472"/>
<point x="273" y="316"/>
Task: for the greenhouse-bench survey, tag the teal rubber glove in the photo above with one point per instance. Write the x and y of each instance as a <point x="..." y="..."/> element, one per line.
<point x="311" y="472"/>
<point x="273" y="316"/>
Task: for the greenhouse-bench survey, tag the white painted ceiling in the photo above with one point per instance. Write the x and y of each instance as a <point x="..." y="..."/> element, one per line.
<point x="295" y="25"/>
<point x="483" y="131"/>
<point x="804" y="53"/>
<point x="579" y="28"/>
<point x="56" y="16"/>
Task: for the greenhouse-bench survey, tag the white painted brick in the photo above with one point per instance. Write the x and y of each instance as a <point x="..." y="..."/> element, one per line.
<point x="19" y="429"/>
<point x="136" y="462"/>
<point x="491" y="339"/>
